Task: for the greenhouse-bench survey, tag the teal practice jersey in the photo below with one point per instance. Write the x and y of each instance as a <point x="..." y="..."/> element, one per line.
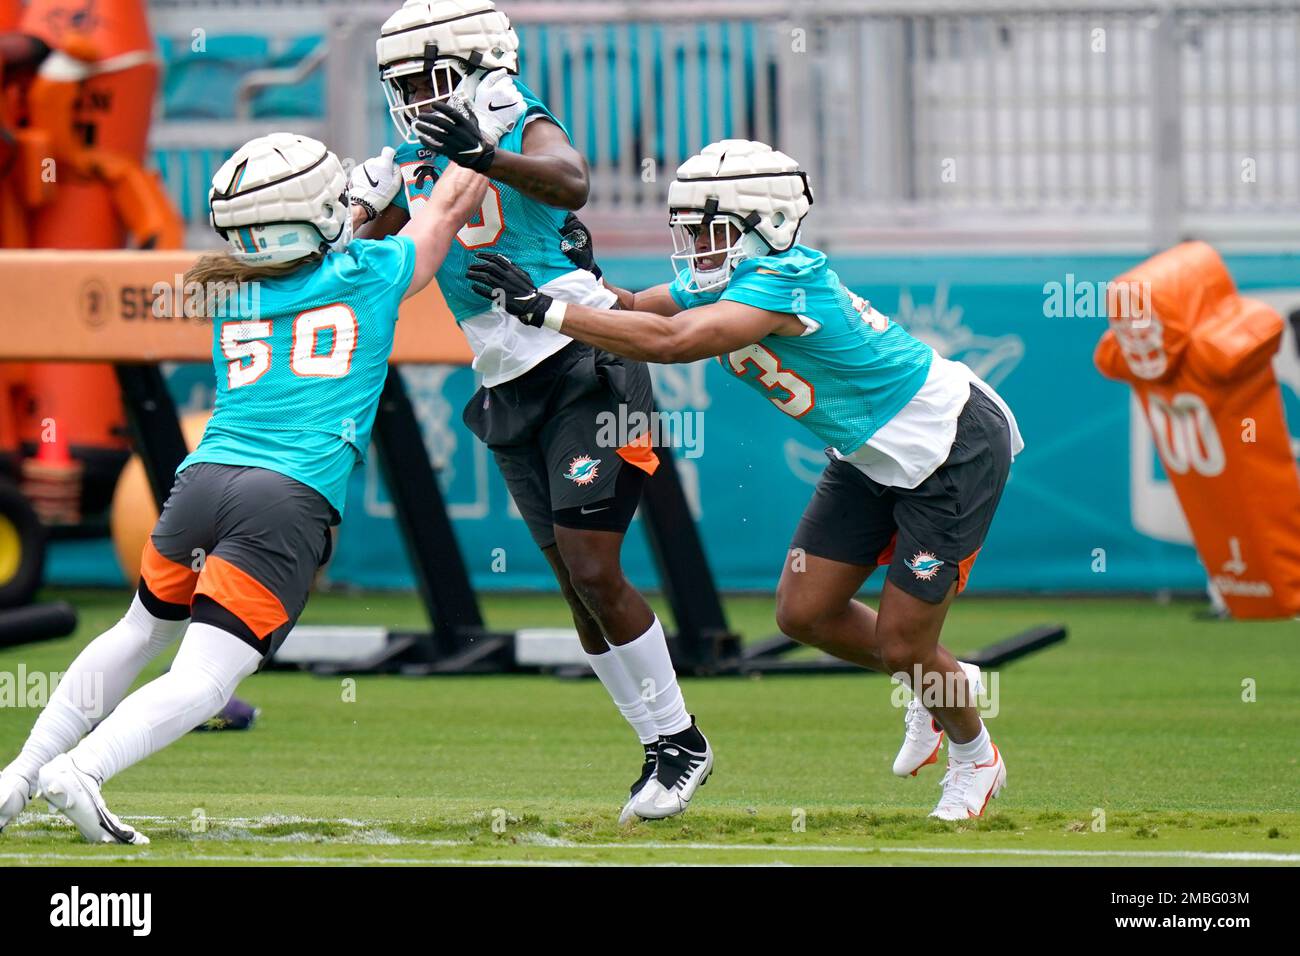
<point x="523" y="229"/>
<point x="300" y="364"/>
<point x="849" y="373"/>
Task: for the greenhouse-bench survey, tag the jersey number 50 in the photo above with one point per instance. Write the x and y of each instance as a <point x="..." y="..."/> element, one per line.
<point x="249" y="354"/>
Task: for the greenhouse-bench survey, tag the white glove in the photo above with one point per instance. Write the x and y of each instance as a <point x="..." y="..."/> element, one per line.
<point x="374" y="183"/>
<point x="497" y="105"/>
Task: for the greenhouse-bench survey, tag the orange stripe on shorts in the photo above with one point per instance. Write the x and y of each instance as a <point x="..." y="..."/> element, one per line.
<point x="639" y="453"/>
<point x="168" y="580"/>
<point x="242" y="595"/>
<point x="963" y="569"/>
<point x="886" y="557"/>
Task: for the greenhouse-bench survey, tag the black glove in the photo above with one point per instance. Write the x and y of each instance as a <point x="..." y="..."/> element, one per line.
<point x="495" y="277"/>
<point x="455" y="134"/>
<point x="575" y="242"/>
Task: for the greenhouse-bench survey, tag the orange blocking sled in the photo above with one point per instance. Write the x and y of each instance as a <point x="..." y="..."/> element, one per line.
<point x="1199" y="357"/>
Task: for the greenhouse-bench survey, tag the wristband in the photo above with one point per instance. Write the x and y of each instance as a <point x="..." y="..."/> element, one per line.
<point x="554" y="317"/>
<point x="371" y="213"/>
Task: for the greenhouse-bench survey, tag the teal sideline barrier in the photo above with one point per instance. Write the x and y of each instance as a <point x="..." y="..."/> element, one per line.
<point x="1066" y="512"/>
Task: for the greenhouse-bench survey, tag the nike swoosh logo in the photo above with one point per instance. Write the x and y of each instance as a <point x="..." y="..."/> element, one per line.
<point x="373" y="182"/>
<point x="592" y="511"/>
<point x="504" y="106"/>
<point x="472" y="152"/>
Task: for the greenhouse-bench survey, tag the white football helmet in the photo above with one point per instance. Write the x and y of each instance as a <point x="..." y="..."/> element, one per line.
<point x="279" y="198"/>
<point x="734" y="200"/>
<point x="451" y="43"/>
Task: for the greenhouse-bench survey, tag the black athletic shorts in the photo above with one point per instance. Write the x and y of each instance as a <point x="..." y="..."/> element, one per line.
<point x="928" y="535"/>
<point x="237" y="548"/>
<point x="565" y="437"/>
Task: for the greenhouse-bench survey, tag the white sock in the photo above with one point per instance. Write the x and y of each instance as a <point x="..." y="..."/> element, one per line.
<point x="208" y="667"/>
<point x="626" y="694"/>
<point x="650" y="668"/>
<point x="979" y="750"/>
<point x="93" y="685"/>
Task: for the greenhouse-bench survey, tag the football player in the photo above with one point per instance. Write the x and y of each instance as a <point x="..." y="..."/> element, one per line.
<point x="919" y="447"/>
<point x="447" y="67"/>
<point x="232" y="557"/>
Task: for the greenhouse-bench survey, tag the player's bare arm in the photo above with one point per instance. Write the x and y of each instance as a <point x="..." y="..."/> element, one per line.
<point x="697" y="333"/>
<point x="388" y="223"/>
<point x="549" y="169"/>
<point x="456" y="196"/>
<point x="656" y="299"/>
<point x="454" y="199"/>
<point x="576" y="243"/>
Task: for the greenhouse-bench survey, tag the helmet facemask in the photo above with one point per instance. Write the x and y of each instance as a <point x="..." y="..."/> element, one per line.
<point x="442" y="75"/>
<point x="709" y="245"/>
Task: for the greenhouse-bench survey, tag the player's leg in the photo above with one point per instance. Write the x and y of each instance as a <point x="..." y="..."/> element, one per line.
<point x="846" y="531"/>
<point x="816" y="605"/>
<point x="97" y="680"/>
<point x="942" y="525"/>
<point x="596" y="486"/>
<point x="272" y="535"/>
<point x="681" y="758"/>
<point x="613" y="676"/>
<point x="524" y="471"/>
<point x="506" y="413"/>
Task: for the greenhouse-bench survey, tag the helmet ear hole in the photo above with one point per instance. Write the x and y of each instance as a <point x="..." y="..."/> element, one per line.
<point x="778" y="218"/>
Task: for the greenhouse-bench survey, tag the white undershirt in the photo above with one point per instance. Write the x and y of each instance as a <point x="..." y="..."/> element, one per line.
<point x="908" y="448"/>
<point x="505" y="348"/>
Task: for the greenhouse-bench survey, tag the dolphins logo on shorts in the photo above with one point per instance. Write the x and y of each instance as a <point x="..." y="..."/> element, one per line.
<point x="924" y="565"/>
<point x="582" y="470"/>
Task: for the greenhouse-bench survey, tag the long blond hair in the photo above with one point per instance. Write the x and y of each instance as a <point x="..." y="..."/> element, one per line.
<point x="218" y="272"/>
<point x="216" y="267"/>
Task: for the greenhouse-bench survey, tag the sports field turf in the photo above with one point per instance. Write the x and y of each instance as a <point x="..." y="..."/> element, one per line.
<point x="1139" y="716"/>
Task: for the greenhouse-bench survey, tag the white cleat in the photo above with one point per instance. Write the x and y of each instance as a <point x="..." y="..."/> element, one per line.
<point x="922" y="738"/>
<point x="76" y="795"/>
<point x="680" y="772"/>
<point x="922" y="735"/>
<point x="968" y="787"/>
<point x="14" y="794"/>
<point x="648" y="768"/>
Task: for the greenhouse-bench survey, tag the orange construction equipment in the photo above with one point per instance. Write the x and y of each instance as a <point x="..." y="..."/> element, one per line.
<point x="1199" y="357"/>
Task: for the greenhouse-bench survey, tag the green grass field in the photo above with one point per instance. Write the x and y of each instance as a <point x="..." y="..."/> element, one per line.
<point x="1137" y="721"/>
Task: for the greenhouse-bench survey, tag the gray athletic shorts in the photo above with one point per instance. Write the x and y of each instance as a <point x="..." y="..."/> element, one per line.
<point x="549" y="433"/>
<point x="237" y="548"/>
<point x="928" y="535"/>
